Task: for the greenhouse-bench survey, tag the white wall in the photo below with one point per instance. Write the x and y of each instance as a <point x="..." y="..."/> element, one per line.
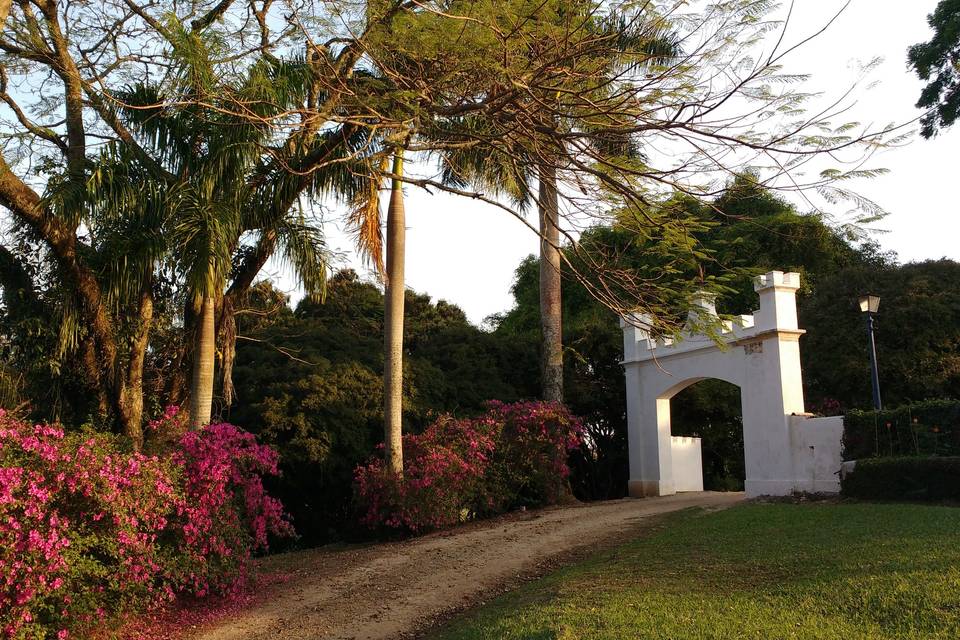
<point x="816" y="447"/>
<point x="687" y="463"/>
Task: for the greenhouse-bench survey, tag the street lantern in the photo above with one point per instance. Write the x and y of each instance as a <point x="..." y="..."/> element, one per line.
<point x="869" y="304"/>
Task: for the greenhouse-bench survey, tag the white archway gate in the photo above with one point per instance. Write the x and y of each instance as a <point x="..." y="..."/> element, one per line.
<point x="785" y="449"/>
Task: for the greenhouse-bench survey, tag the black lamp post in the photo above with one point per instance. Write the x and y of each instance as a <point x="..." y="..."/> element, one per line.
<point x="869" y="305"/>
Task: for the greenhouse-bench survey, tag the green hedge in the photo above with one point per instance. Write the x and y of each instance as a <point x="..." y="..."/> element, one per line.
<point x="904" y="479"/>
<point x="929" y="428"/>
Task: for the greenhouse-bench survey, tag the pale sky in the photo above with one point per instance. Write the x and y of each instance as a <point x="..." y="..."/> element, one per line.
<point x="466" y="252"/>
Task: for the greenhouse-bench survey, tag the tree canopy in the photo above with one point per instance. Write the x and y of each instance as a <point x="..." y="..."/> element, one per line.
<point x="937" y="62"/>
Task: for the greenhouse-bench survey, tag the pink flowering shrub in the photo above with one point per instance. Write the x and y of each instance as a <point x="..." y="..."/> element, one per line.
<point x="458" y="469"/>
<point x="531" y="459"/>
<point x="79" y="525"/>
<point x="227" y="514"/>
<point x="444" y="473"/>
<point x="88" y="532"/>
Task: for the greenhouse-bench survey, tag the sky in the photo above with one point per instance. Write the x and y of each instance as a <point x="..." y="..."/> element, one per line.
<point x="465" y="252"/>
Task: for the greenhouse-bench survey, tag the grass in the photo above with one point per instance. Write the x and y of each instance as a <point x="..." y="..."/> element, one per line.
<point x="770" y="571"/>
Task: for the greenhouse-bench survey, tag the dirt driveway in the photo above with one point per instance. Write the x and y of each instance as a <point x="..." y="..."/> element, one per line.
<point x="395" y="590"/>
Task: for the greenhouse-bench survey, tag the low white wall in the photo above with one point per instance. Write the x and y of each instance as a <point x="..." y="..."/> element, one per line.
<point x="816" y="450"/>
<point x="687" y="463"/>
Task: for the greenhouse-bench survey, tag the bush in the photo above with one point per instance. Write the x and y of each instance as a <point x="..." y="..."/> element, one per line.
<point x="89" y="532"/>
<point x="904" y="479"/>
<point x="459" y="469"/>
<point x="929" y="428"/>
<point x="78" y="529"/>
<point x="227" y="515"/>
<point x="529" y="466"/>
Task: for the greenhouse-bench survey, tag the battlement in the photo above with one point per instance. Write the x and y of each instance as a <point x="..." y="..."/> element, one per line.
<point x="777" y="315"/>
<point x="777" y="279"/>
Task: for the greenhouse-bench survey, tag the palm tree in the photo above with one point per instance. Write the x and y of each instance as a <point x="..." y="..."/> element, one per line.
<point x="493" y="169"/>
<point x="216" y="189"/>
<point x="393" y="321"/>
<point x="551" y="313"/>
<point x="365" y="218"/>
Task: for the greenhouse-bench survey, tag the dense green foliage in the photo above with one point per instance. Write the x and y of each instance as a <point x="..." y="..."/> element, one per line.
<point x="938" y="63"/>
<point x="309" y="383"/>
<point x="913" y="478"/>
<point x="917" y="334"/>
<point x="805" y="572"/>
<point x="930" y="428"/>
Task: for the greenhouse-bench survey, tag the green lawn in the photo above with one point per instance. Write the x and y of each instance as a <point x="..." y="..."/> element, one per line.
<point x="847" y="571"/>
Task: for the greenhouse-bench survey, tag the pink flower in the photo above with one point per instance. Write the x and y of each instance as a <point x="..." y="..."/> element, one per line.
<point x="465" y="468"/>
<point x="207" y="504"/>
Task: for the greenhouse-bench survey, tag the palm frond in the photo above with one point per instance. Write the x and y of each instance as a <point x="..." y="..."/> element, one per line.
<point x="302" y="248"/>
<point x="364" y="219"/>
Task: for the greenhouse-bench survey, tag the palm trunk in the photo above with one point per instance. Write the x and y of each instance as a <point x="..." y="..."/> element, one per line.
<point x="393" y="324"/>
<point x="201" y="385"/>
<point x="133" y="385"/>
<point x="551" y="350"/>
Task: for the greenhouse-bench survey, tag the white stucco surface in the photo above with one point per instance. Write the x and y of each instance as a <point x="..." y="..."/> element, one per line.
<point x="815" y="443"/>
<point x="759" y="353"/>
<point x="687" y="463"/>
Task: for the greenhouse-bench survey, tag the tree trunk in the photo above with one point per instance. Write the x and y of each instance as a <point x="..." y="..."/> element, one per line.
<point x="551" y="346"/>
<point x="132" y="400"/>
<point x="393" y="324"/>
<point x="201" y="385"/>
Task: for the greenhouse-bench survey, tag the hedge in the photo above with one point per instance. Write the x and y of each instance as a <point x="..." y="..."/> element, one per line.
<point x="904" y="479"/>
<point x="929" y="428"/>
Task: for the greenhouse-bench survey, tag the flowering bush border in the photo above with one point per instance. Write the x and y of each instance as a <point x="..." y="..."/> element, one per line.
<point x="88" y="532"/>
<point x="459" y="469"/>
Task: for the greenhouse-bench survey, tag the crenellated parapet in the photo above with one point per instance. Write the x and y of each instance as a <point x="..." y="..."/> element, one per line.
<point x="777" y="316"/>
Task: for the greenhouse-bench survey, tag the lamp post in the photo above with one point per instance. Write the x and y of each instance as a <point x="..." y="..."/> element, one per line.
<point x="869" y="305"/>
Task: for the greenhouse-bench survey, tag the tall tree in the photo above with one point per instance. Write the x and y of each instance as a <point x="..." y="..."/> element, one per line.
<point x="200" y="213"/>
<point x="393" y="321"/>
<point x="551" y="320"/>
<point x="937" y="62"/>
<point x="632" y="40"/>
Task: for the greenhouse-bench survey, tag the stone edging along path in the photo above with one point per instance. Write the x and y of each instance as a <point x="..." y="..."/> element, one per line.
<point x="396" y="590"/>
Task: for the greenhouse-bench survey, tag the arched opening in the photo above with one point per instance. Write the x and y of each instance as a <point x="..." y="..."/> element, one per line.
<point x="711" y="410"/>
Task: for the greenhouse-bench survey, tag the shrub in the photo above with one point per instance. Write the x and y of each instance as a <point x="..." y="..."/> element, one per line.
<point x="227" y="515"/>
<point x="530" y="462"/>
<point x="904" y="478"/>
<point x="458" y="469"/>
<point x="443" y="476"/>
<point x="929" y="428"/>
<point x="78" y="526"/>
<point x="89" y="532"/>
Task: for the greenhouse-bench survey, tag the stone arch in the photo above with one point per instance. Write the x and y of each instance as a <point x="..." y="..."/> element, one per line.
<point x="689" y="453"/>
<point x="669" y="393"/>
<point x="760" y="354"/>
